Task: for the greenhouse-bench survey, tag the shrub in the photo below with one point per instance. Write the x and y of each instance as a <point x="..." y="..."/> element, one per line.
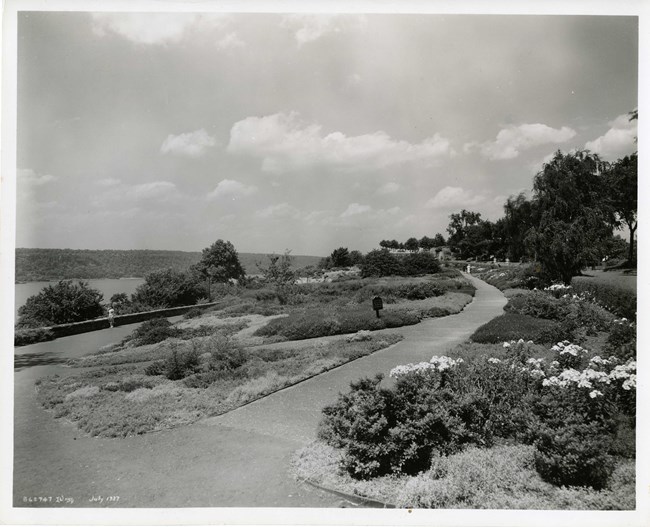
<point x="314" y="323"/>
<point x="169" y="288"/>
<point x="379" y="262"/>
<point x="225" y="354"/>
<point x="621" y="341"/>
<point x="435" y="408"/>
<point x="513" y="326"/>
<point x="195" y="312"/>
<point x="617" y="300"/>
<point x="23" y="337"/>
<point x="61" y="303"/>
<point x="419" y="263"/>
<point x="155" y="368"/>
<point x="538" y="304"/>
<point x="153" y="331"/>
<point x="360" y="422"/>
<point x="181" y="363"/>
<point x="575" y="454"/>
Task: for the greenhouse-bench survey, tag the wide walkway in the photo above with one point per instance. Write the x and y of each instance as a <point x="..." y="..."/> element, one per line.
<point x="240" y="459"/>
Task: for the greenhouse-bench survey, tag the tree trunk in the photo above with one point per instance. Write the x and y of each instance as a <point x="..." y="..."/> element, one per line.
<point x="631" y="256"/>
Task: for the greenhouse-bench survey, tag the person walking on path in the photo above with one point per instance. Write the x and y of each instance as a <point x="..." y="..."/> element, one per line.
<point x="111" y="316"/>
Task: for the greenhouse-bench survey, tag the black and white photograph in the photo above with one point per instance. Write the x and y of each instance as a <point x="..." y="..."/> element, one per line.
<point x="324" y="263"/>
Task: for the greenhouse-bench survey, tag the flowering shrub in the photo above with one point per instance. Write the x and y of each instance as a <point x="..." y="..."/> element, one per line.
<point x="519" y="350"/>
<point x="615" y="299"/>
<point x="577" y="314"/>
<point x="570" y="406"/>
<point x="621" y="341"/>
<point x="558" y="290"/>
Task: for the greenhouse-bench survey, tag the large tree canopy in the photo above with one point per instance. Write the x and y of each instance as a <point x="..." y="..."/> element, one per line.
<point x="61" y="303"/>
<point x="220" y="263"/>
<point x="575" y="219"/>
<point x="623" y="190"/>
<point x="168" y="288"/>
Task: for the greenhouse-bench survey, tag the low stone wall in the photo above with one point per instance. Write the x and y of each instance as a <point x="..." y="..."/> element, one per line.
<point x="75" y="328"/>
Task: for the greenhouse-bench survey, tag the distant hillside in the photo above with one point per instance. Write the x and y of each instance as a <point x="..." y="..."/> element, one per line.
<point x="58" y="264"/>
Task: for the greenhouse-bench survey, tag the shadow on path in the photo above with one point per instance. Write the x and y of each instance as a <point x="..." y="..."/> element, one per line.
<point x="45" y="358"/>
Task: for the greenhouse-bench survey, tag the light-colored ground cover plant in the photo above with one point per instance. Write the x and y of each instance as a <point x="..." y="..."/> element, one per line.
<point x="187" y="381"/>
<point x="501" y="477"/>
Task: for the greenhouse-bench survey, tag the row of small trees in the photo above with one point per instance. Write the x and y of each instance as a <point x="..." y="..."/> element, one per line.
<point x="413" y="244"/>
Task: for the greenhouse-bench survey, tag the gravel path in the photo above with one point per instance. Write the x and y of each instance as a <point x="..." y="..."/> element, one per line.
<point x="240" y="459"/>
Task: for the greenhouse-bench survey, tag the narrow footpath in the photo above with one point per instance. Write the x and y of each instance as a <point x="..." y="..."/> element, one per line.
<point x="240" y="459"/>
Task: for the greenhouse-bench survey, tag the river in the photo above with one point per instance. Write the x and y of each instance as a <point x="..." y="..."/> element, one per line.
<point x="108" y="286"/>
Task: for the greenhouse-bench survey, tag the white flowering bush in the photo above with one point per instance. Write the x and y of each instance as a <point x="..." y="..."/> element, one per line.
<point x="569" y="355"/>
<point x="435" y="364"/>
<point x="569" y="405"/>
<point x="558" y="290"/>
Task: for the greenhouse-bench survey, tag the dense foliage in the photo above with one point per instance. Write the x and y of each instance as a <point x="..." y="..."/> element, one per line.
<point x="567" y="225"/>
<point x="381" y="262"/>
<point x="571" y="409"/>
<point x="61" y="303"/>
<point x="219" y="263"/>
<point x="169" y="288"/>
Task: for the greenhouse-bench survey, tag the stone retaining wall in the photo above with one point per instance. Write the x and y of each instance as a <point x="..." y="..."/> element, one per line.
<point x="63" y="330"/>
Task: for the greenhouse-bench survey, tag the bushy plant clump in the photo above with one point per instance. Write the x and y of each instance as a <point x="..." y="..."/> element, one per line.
<point x="528" y="276"/>
<point x="617" y="300"/>
<point x="513" y="326"/>
<point x="578" y="315"/>
<point x="312" y="323"/>
<point x="437" y="407"/>
<point x="382" y="263"/>
<point x="621" y="341"/>
<point x="24" y="337"/>
<point x="567" y="408"/>
<point x="152" y="331"/>
<point x="61" y="303"/>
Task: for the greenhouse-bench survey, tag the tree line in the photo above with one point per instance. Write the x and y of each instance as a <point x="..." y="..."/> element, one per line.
<point x="569" y="222"/>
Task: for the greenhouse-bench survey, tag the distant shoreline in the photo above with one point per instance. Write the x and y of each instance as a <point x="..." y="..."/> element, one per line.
<point x="48" y="265"/>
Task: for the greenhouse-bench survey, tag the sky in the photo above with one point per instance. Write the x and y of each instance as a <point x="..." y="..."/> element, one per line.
<point x="301" y="132"/>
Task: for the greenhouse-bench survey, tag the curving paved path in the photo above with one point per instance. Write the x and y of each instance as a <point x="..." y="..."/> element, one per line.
<point x="239" y="459"/>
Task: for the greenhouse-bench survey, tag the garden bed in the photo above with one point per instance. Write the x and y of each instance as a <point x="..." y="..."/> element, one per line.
<point x="495" y="424"/>
<point x="172" y="383"/>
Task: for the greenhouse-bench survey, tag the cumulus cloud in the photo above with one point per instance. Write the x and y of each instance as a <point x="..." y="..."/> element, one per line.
<point x="285" y="143"/>
<point x="389" y="188"/>
<point x="153" y="190"/>
<point x="190" y="144"/>
<point x="617" y="141"/>
<point x="26" y="176"/>
<point x="229" y="188"/>
<point x="450" y="197"/>
<point x="308" y="28"/>
<point x="354" y="209"/>
<point x="279" y="211"/>
<point x="152" y="28"/>
<point x="230" y="41"/>
<point x="511" y="141"/>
